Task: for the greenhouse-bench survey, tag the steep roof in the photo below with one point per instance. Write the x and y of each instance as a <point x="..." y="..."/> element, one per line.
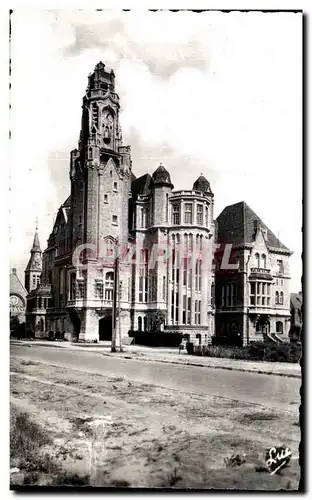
<point x="161" y="176"/>
<point x="202" y="184"/>
<point x="16" y="287"/>
<point x="141" y="185"/>
<point x="296" y="300"/>
<point x="35" y="261"/>
<point x="236" y="225"/>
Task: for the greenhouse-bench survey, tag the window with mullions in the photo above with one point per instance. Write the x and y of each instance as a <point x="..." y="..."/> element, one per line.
<point x="175" y="214"/>
<point x="188" y="213"/>
<point x="199" y="215"/>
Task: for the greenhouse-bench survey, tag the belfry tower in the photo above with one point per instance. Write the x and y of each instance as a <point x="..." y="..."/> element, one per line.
<point x="100" y="174"/>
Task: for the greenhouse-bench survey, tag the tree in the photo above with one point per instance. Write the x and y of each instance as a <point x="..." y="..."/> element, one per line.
<point x="159" y="320"/>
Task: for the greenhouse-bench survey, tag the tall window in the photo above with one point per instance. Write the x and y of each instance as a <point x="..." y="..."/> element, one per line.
<point x="206" y="216"/>
<point x="72" y="286"/>
<point x="167" y="206"/>
<point x="189" y="305"/>
<point x="184" y="310"/>
<point x="257" y="256"/>
<point x="144" y="217"/>
<point x="164" y="288"/>
<point x="115" y="187"/>
<point x="188" y="214"/>
<point x="212" y="295"/>
<point x="99" y="290"/>
<point x="143" y="277"/>
<point x="177" y="308"/>
<point x="260" y="294"/>
<point x="228" y="295"/>
<point x="198" y="273"/>
<point x="176" y="214"/>
<point x="263" y="261"/>
<point x="197" y="312"/>
<point x="281" y="298"/>
<point x="199" y="215"/>
<point x="280" y="266"/>
<point x="145" y="323"/>
<point x="109" y="286"/>
<point x="277" y="298"/>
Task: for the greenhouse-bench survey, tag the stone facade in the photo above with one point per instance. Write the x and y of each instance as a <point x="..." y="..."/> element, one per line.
<point x="109" y="207"/>
<point x="254" y="299"/>
<point x="164" y="239"/>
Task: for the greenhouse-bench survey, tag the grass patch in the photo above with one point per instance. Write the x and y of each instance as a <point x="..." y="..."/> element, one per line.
<point x="27" y="448"/>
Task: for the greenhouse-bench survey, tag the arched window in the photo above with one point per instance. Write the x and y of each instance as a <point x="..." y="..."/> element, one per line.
<point x="139" y="323"/>
<point x="109" y="286"/>
<point x="281" y="298"/>
<point x="263" y="261"/>
<point x="279" y="327"/>
<point x="145" y="323"/>
<point x="277" y="298"/>
<point x="257" y="256"/>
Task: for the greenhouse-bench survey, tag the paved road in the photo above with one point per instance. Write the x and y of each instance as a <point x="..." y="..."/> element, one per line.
<point x="271" y="391"/>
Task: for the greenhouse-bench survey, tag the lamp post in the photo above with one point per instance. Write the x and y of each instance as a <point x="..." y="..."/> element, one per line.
<point x="114" y="311"/>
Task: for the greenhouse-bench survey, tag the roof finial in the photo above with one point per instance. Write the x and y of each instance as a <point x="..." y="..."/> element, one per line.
<point x="161" y="164"/>
<point x="36" y="221"/>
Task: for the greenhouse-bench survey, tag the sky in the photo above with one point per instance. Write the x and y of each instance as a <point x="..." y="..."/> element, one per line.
<point x="212" y="93"/>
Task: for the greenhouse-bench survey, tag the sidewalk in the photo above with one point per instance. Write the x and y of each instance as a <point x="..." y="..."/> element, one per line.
<point x="171" y="355"/>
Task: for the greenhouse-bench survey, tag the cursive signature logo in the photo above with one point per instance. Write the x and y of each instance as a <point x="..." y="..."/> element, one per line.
<point x="277" y="457"/>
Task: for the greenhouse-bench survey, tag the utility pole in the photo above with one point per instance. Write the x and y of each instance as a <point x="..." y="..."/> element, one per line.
<point x="119" y="322"/>
<point x="113" y="345"/>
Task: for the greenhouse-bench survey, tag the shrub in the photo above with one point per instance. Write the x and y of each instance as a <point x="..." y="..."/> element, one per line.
<point x="256" y="351"/>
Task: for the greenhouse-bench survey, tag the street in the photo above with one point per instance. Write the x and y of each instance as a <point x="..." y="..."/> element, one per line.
<point x="267" y="390"/>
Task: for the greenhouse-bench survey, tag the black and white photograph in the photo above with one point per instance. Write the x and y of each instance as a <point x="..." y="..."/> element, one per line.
<point x="155" y="250"/>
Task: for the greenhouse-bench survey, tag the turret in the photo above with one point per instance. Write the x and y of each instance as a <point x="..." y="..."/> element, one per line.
<point x="34" y="267"/>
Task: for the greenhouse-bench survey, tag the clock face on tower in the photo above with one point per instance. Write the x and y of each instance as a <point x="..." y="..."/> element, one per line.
<point x="16" y="304"/>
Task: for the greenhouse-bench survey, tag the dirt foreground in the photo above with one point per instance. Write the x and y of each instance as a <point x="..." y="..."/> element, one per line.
<point x="112" y="432"/>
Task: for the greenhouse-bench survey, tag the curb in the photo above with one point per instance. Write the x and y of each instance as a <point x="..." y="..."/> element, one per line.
<point x="262" y="372"/>
<point x="187" y="363"/>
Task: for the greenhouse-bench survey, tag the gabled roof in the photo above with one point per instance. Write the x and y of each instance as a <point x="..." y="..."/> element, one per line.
<point x="236" y="225"/>
<point x="16" y="287"/>
<point x="141" y="185"/>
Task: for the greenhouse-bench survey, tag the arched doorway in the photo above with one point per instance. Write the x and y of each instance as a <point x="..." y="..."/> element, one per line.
<point x="76" y="325"/>
<point x="105" y="328"/>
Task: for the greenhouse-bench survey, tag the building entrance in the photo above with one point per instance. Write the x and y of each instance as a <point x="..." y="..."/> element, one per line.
<point x="105" y="328"/>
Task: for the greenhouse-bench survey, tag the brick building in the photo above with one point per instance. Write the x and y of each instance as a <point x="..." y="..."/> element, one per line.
<point x="253" y="299"/>
<point x="108" y="209"/>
